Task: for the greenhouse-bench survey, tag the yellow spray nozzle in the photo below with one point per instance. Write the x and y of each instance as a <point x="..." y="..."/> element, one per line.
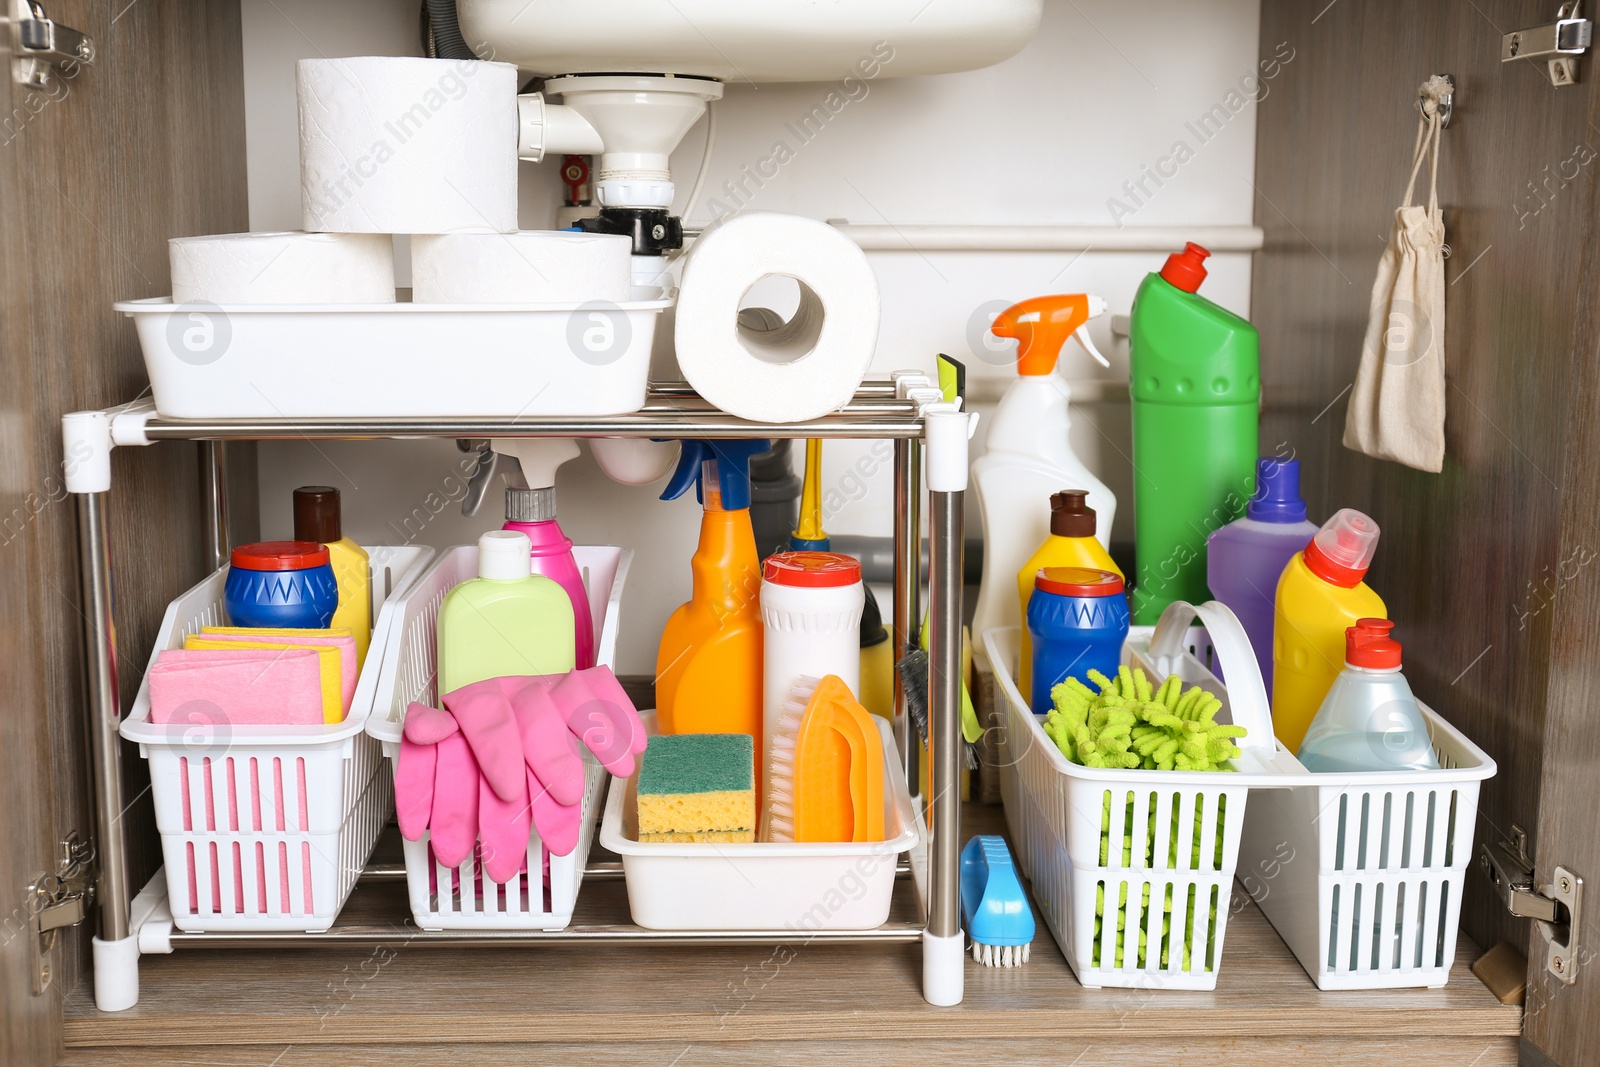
<point x="1042" y="324"/>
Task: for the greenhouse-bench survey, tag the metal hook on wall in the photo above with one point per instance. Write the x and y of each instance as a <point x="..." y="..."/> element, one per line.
<point x="1444" y="96"/>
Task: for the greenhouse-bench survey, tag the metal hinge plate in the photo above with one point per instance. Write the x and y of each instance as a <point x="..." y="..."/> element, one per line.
<point x="39" y="45"/>
<point x="59" y="900"/>
<point x="1559" y="44"/>
<point x="1556" y="908"/>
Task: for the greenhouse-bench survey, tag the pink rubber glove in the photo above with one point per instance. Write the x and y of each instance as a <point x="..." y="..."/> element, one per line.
<point x="548" y="746"/>
<point x="490" y="727"/>
<point x="599" y="713"/>
<point x="454" y="821"/>
<point x="557" y="823"/>
<point x="428" y="726"/>
<point x="414" y="772"/>
<point x="503" y="830"/>
<point x="413" y="787"/>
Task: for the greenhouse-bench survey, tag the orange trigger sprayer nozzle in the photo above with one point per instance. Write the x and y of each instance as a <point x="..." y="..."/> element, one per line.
<point x="1042" y="324"/>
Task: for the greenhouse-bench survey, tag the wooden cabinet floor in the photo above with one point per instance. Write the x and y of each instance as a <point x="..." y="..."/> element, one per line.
<point x="803" y="1005"/>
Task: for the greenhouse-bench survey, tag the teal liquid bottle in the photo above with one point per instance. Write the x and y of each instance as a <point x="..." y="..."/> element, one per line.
<point x="1194" y="380"/>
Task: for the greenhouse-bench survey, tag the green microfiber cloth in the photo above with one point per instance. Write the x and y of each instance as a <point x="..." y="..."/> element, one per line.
<point x="1127" y="725"/>
<point x="1136" y="915"/>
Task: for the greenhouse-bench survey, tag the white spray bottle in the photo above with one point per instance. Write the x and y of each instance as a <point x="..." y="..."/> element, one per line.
<point x="1028" y="454"/>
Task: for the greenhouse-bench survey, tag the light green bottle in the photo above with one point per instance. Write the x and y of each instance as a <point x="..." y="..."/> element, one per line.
<point x="1194" y="378"/>
<point x="506" y="621"/>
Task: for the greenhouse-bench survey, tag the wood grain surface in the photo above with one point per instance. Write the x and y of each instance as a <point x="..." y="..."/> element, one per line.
<point x="94" y="177"/>
<point x="1478" y="564"/>
<point x="718" y="1005"/>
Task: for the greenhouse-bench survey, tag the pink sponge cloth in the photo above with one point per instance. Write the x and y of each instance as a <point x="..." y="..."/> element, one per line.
<point x="340" y="639"/>
<point x="248" y="687"/>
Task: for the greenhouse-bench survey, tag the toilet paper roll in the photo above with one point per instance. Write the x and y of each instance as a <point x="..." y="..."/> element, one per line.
<point x="804" y="368"/>
<point x="530" y="267"/>
<point x="283" y="268"/>
<point x="405" y="145"/>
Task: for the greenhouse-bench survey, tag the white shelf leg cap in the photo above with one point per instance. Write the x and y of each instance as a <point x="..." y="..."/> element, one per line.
<point x="948" y="428"/>
<point x="86" y="451"/>
<point x="943" y="968"/>
<point x="116" y="974"/>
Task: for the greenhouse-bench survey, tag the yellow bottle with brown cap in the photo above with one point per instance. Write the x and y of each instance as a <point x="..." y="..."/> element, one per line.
<point x="1072" y="543"/>
<point x="316" y="518"/>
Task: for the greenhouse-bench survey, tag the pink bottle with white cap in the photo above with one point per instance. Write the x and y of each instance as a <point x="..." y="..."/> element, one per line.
<point x="1320" y="596"/>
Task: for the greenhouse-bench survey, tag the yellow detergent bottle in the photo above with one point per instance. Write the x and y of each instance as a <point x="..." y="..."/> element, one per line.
<point x="1072" y="543"/>
<point x="708" y="665"/>
<point x="1320" y="596"/>
<point x="317" y="518"/>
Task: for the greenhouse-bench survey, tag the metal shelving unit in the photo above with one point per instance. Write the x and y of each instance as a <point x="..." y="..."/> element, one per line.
<point x="907" y="409"/>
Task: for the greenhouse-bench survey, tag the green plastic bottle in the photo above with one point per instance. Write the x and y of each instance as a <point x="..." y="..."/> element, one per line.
<point x="506" y="621"/>
<point x="1194" y="378"/>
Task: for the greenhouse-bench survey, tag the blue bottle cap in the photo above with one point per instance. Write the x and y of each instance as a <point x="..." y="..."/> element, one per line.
<point x="731" y="463"/>
<point x="1277" y="496"/>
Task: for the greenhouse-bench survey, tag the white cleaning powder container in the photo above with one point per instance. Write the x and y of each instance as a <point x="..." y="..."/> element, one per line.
<point x="811" y="606"/>
<point x="405" y="145"/>
<point x="283" y="268"/>
<point x="527" y="267"/>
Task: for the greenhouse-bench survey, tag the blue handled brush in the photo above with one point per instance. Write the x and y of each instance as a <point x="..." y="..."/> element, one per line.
<point x="998" y="919"/>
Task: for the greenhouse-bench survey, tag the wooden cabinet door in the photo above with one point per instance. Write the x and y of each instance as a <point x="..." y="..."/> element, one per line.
<point x="1491" y="568"/>
<point x="95" y="175"/>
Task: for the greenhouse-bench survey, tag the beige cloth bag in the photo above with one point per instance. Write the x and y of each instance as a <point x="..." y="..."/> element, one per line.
<point x="1397" y="403"/>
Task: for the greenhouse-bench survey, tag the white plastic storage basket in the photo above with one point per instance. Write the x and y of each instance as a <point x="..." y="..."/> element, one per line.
<point x="399" y="359"/>
<point x="1133" y="869"/>
<point x="789" y="886"/>
<point x="267" y="827"/>
<point x="463" y="897"/>
<point x="1362" y="874"/>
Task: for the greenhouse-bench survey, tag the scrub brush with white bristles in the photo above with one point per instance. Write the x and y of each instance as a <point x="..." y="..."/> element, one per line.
<point x="825" y="772"/>
<point x="993" y="904"/>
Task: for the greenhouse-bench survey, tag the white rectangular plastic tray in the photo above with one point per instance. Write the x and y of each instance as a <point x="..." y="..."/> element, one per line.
<point x="463" y="897"/>
<point x="396" y="360"/>
<point x="267" y="827"/>
<point x="763" y="885"/>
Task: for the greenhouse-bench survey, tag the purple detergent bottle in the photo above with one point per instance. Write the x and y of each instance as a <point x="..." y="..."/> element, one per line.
<point x="533" y="512"/>
<point x="1245" y="559"/>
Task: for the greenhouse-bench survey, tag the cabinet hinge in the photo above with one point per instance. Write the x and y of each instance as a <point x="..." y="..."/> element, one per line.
<point x="1557" y="908"/>
<point x="59" y="900"/>
<point x="40" y="45"/>
<point x="1558" y="43"/>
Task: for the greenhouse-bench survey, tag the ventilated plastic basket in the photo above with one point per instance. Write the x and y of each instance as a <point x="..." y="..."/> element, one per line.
<point x="267" y="827"/>
<point x="1132" y="869"/>
<point x="1362" y="874"/>
<point x="463" y="897"/>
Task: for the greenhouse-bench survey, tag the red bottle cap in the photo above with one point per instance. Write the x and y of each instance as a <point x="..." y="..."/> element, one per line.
<point x="1368" y="644"/>
<point x="280" y="556"/>
<point x="812" y="570"/>
<point x="1077" y="581"/>
<point x="1186" y="270"/>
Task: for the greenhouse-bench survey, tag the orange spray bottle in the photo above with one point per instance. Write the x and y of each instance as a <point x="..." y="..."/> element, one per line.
<point x="708" y="666"/>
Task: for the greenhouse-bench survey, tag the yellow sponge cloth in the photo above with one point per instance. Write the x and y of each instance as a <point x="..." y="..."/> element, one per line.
<point x="691" y="785"/>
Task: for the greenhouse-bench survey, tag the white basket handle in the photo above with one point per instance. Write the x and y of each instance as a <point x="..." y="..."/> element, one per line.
<point x="1247" y="692"/>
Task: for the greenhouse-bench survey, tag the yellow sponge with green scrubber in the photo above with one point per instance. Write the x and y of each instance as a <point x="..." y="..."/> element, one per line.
<point x="698" y="787"/>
